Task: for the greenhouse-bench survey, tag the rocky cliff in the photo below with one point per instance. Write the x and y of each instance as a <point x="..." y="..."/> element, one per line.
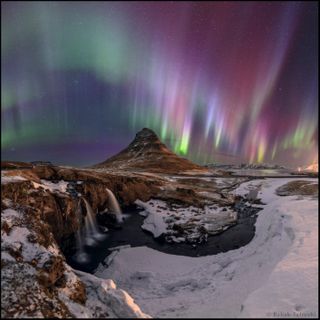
<point x="38" y="220"/>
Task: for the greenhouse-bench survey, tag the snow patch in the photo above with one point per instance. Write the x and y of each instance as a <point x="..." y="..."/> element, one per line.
<point x="11" y="179"/>
<point x="103" y="294"/>
<point x="48" y="185"/>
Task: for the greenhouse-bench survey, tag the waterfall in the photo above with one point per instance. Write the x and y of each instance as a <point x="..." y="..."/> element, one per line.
<point x="81" y="256"/>
<point x="79" y="241"/>
<point x="91" y="228"/>
<point x="114" y="206"/>
<point x="91" y="224"/>
<point x="89" y="236"/>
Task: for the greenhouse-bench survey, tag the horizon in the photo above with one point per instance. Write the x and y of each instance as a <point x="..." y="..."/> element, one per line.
<point x="202" y="164"/>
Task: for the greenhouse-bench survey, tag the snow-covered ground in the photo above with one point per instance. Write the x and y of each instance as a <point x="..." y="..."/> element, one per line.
<point x="48" y="185"/>
<point x="103" y="298"/>
<point x="9" y="179"/>
<point x="45" y="184"/>
<point x="274" y="275"/>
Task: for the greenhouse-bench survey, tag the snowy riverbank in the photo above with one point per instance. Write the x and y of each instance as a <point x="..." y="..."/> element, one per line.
<point x="275" y="273"/>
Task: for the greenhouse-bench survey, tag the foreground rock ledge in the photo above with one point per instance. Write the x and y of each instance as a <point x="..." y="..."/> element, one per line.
<point x="36" y="222"/>
<point x="37" y="282"/>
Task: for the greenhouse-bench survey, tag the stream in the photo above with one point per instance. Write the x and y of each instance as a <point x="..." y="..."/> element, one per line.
<point x="130" y="233"/>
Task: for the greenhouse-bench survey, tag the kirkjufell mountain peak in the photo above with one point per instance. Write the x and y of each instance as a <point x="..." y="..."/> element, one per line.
<point x="146" y="132"/>
<point x="146" y="151"/>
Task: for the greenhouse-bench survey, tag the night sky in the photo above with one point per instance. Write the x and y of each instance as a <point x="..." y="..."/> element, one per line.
<point x="217" y="81"/>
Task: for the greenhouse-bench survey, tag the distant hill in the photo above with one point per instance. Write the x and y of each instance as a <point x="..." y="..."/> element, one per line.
<point x="15" y="165"/>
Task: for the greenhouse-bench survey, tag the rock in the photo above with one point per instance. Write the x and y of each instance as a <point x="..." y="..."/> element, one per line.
<point x="58" y="209"/>
<point x="51" y="271"/>
<point x="5" y="227"/>
<point x="79" y="293"/>
<point x="120" y="247"/>
<point x="298" y="187"/>
<point x="45" y="172"/>
<point x="36" y="282"/>
<point x="178" y="228"/>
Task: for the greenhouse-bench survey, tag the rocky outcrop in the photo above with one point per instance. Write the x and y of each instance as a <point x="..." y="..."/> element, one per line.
<point x="37" y="218"/>
<point x="58" y="209"/>
<point x="147" y="152"/>
<point x="5" y="165"/>
<point x="36" y="282"/>
<point x="127" y="188"/>
<point x="299" y="187"/>
<point x="31" y="266"/>
<point x="55" y="210"/>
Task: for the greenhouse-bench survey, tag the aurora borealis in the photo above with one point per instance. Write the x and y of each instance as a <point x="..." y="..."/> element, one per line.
<point x="217" y="81"/>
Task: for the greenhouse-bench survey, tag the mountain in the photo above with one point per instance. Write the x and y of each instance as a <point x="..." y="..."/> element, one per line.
<point x="147" y="153"/>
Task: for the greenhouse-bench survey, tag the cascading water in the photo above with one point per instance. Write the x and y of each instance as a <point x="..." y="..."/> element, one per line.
<point x="90" y="234"/>
<point x="81" y="256"/>
<point x="90" y="220"/>
<point x="91" y="228"/>
<point x="114" y="206"/>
